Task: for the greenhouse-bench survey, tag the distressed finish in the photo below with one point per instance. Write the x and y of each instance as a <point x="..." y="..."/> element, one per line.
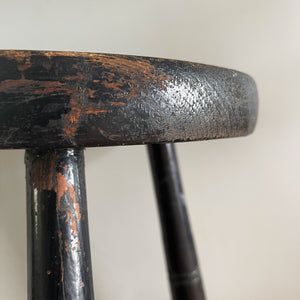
<point x="66" y="99"/>
<point x="59" y="262"/>
<point x="55" y="103"/>
<point x="183" y="269"/>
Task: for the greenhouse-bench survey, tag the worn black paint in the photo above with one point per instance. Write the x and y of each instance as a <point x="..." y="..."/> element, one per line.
<point x="184" y="275"/>
<point x="57" y="100"/>
<point x="65" y="99"/>
<point x="59" y="262"/>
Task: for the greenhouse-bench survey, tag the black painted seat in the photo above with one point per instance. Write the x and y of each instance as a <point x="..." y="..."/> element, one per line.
<point x="66" y="99"/>
<point x="53" y="104"/>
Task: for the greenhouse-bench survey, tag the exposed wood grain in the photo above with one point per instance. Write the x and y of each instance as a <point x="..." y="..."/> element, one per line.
<point x="69" y="99"/>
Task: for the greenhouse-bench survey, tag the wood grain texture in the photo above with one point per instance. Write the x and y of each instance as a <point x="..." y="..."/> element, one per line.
<point x="69" y="99"/>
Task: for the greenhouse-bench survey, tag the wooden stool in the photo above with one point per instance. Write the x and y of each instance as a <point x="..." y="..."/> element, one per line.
<point x="53" y="104"/>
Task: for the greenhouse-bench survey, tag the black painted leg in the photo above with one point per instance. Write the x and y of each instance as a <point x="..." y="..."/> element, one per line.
<point x="180" y="253"/>
<point x="59" y="262"/>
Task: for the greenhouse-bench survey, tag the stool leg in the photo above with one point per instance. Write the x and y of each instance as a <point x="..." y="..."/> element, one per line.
<point x="59" y="262"/>
<point x="180" y="253"/>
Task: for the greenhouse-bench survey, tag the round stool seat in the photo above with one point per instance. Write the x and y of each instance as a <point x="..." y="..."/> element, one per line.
<point x="69" y="99"/>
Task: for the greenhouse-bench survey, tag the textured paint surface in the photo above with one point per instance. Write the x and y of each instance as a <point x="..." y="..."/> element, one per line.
<point x="59" y="264"/>
<point x="66" y="99"/>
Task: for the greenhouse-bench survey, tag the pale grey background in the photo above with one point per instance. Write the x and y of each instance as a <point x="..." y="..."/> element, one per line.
<point x="242" y="194"/>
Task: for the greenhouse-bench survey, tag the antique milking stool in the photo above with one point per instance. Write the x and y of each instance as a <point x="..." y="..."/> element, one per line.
<point x="53" y="104"/>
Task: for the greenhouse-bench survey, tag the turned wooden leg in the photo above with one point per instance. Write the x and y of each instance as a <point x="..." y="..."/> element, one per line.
<point x="59" y="261"/>
<point x="184" y="275"/>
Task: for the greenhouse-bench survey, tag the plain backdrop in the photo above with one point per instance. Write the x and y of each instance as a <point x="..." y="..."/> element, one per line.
<point x="242" y="194"/>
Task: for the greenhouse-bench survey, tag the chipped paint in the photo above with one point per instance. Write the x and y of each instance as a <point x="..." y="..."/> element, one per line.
<point x="147" y="100"/>
<point x="60" y="227"/>
<point x="74" y="77"/>
<point x="32" y="87"/>
<point x="118" y="103"/>
<point x="45" y="176"/>
<point x="91" y="93"/>
<point x="95" y="111"/>
<point x="72" y="118"/>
